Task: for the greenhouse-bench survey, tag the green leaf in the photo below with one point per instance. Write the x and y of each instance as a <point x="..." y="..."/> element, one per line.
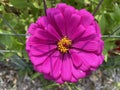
<point x="109" y="45"/>
<point x="106" y="56"/>
<point x="18" y="62"/>
<point x="51" y="86"/>
<point x="117" y="12"/>
<point x="1" y="8"/>
<point x="20" y="4"/>
<point x="6" y="41"/>
<point x="35" y="75"/>
<point x="102" y="23"/>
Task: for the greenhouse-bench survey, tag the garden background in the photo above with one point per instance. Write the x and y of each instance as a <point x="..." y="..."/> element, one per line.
<point x="16" y="71"/>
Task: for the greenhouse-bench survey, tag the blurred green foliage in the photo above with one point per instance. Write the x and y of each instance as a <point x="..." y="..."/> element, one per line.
<point x="16" y="15"/>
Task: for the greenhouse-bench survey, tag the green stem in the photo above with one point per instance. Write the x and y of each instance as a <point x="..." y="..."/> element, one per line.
<point x="69" y="88"/>
<point x="45" y="7"/>
<point x="98" y="6"/>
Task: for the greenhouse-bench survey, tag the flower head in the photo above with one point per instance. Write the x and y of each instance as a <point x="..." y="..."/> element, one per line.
<point x="66" y="44"/>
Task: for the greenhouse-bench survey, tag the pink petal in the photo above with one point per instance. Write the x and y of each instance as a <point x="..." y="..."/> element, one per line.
<point x="80" y="45"/>
<point x="86" y="17"/>
<point x="91" y="46"/>
<point x="88" y="72"/>
<point x="45" y="67"/>
<point x="97" y="28"/>
<point x="61" y="7"/>
<point x="77" y="32"/>
<point x="74" y="51"/>
<point x="47" y="76"/>
<point x="32" y="28"/>
<point x="93" y="68"/>
<point x="90" y="59"/>
<point x="76" y="59"/>
<point x="52" y="31"/>
<point x="101" y="59"/>
<point x="66" y="69"/>
<point x="38" y="69"/>
<point x="50" y="14"/>
<point x="68" y="13"/>
<point x="54" y="15"/>
<point x="42" y="37"/>
<point x="57" y="68"/>
<point x="40" y="50"/>
<point x="27" y="47"/>
<point x="74" y="22"/>
<point x="40" y="41"/>
<point x="38" y="60"/>
<point x="74" y="80"/>
<point x="59" y="19"/>
<point x="90" y="30"/>
<point x="42" y="22"/>
<point x="84" y="67"/>
<point x="77" y="73"/>
<point x="39" y="54"/>
<point x="101" y="47"/>
<point x="59" y="80"/>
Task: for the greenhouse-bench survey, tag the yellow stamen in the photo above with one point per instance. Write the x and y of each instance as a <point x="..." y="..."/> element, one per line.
<point x="64" y="44"/>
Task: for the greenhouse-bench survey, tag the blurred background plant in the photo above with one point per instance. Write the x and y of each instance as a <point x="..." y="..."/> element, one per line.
<point x="16" y="16"/>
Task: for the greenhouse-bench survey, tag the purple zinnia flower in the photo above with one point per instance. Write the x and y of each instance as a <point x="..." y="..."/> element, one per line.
<point x="66" y="44"/>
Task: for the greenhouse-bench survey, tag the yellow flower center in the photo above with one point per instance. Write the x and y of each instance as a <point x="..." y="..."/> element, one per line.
<point x="64" y="44"/>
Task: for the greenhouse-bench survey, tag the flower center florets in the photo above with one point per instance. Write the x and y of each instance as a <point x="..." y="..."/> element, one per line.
<point x="64" y="44"/>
